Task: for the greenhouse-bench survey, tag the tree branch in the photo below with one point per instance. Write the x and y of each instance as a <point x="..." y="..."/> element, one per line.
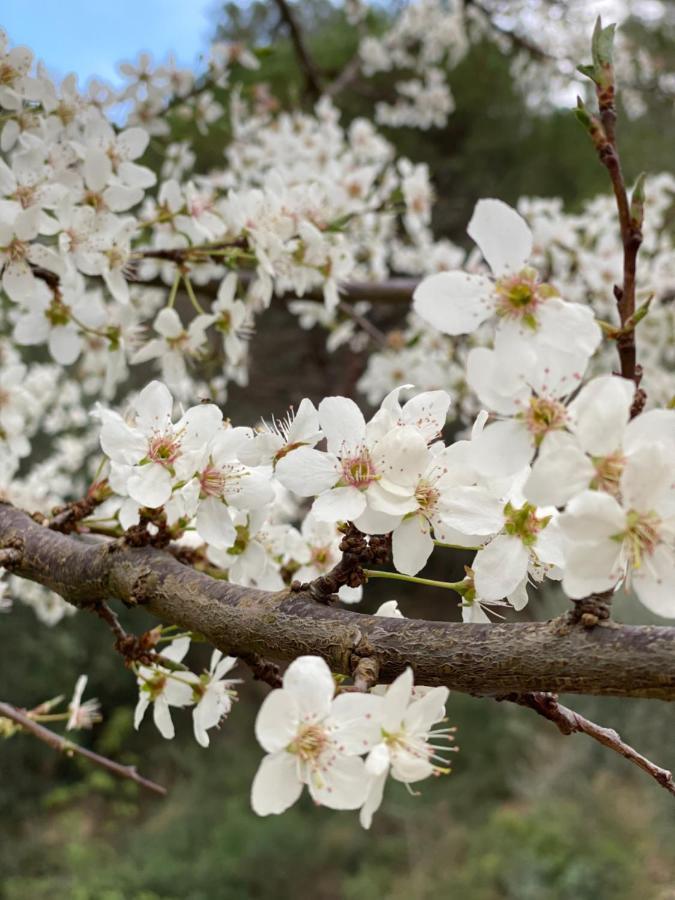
<point x="620" y="661"/>
<point x="307" y="64"/>
<point x="63" y="745"/>
<point x="570" y="722"/>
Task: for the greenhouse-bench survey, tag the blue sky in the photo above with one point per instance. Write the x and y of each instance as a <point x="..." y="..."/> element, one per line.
<point x="90" y="36"/>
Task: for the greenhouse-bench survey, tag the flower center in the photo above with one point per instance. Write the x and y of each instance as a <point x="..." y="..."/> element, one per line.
<point x="422" y="747"/>
<point x="16" y="250"/>
<point x="25" y="194"/>
<point x="426" y="495"/>
<point x="641" y="536"/>
<point x="519" y="296"/>
<point x="310" y="742"/>
<point x="608" y="471"/>
<point x="212" y="482"/>
<point x="543" y="415"/>
<point x="523" y="522"/>
<point x="358" y="470"/>
<point x="164" y="449"/>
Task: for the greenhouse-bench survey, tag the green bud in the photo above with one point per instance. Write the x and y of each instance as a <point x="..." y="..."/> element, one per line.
<point x="637" y="202"/>
<point x="601" y="71"/>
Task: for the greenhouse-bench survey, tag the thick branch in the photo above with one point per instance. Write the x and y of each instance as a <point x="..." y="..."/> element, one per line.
<point x="63" y="745"/>
<point x="570" y="722"/>
<point x="307" y="64"/>
<point x="621" y="661"/>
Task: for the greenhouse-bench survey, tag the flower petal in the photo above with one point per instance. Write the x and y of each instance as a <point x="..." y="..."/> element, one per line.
<point x="503" y="236"/>
<point x="500" y="567"/>
<point x="277" y="721"/>
<point x="310" y="682"/>
<point x="276" y="785"/>
<point x="454" y="302"/>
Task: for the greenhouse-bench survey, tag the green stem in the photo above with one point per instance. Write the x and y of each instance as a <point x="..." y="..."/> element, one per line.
<point x="454" y="546"/>
<point x="174" y="289"/>
<point x="191" y="295"/>
<point x="397" y="576"/>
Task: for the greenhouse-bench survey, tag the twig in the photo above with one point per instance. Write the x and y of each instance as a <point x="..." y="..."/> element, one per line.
<point x="570" y="722"/>
<point x="603" y="135"/>
<point x="345" y="77"/>
<point x="307" y="64"/>
<point x="357" y="551"/>
<point x="134" y="647"/>
<point x="62" y="745"/>
<point x="263" y="669"/>
<point x="379" y="337"/>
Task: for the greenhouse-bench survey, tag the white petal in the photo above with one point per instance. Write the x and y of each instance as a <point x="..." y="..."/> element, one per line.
<point x="500" y="567"/>
<point x="373" y="799"/>
<point x="343" y="424"/>
<point x="341" y="784"/>
<point x="422" y="714"/>
<point x="168" y="324"/>
<point x="412" y="545"/>
<point x="503" y="236"/>
<point x="307" y="472"/>
<point x="154" y="405"/>
<point x="591" y="567"/>
<point x="592" y="516"/>
<point x="64" y="344"/>
<point x="600" y="413"/>
<point x="309" y="680"/>
<point x="162" y="717"/>
<point x="654" y="583"/>
<point x="150" y="485"/>
<point x="503" y="449"/>
<point x="560" y="471"/>
<point x="472" y="510"/>
<point x="396" y="701"/>
<point x="277" y="722"/>
<point x="339" y="505"/>
<point x="647" y="478"/>
<point x="401" y="456"/>
<point x="141" y="707"/>
<point x="655" y="425"/>
<point x="356" y="720"/>
<point x="199" y="425"/>
<point x="18" y="281"/>
<point x="372" y="521"/>
<point x="214" y="523"/>
<point x="276" y="785"/>
<point x="454" y="302"/>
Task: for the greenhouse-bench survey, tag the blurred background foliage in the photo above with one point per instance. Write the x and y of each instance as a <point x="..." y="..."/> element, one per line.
<point x="527" y="814"/>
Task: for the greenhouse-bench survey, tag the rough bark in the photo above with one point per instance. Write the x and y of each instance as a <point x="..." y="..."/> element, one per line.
<point x="557" y="656"/>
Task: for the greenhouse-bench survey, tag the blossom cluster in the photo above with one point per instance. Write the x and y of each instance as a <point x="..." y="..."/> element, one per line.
<point x="316" y="738"/>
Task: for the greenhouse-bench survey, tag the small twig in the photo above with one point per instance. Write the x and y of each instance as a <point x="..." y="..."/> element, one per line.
<point x="134" y="647"/>
<point x="307" y="64"/>
<point x="263" y="669"/>
<point x="603" y="134"/>
<point x="345" y="77"/>
<point x="357" y="551"/>
<point x="379" y="337"/>
<point x="570" y="722"/>
<point x="62" y="745"/>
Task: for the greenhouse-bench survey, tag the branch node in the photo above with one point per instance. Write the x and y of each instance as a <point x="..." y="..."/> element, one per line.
<point x="366" y="671"/>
